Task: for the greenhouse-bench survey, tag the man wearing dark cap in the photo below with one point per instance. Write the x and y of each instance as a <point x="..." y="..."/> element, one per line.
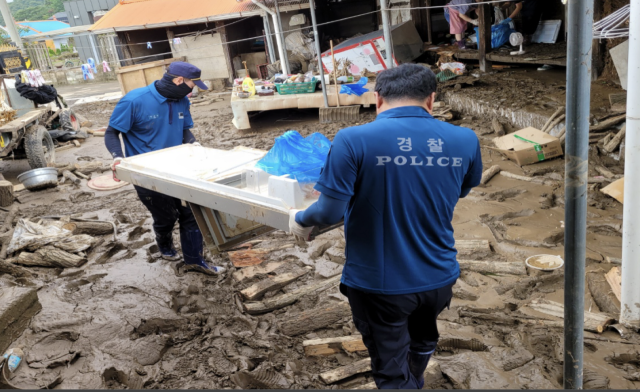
<point x="150" y="119"/>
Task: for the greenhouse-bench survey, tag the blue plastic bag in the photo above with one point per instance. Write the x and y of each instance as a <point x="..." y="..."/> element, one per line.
<point x="301" y="158"/>
<point x="355" y="89"/>
<point x="499" y="34"/>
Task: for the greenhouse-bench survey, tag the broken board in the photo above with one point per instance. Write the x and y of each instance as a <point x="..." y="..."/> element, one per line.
<point x="614" y="278"/>
<point x="615" y="190"/>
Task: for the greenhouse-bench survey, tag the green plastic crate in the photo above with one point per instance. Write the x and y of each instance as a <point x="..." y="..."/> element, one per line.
<point x="297" y="88"/>
<point x="445" y="75"/>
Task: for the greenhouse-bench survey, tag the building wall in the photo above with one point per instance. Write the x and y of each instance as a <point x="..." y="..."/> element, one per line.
<point x="205" y="52"/>
<point x="82" y="10"/>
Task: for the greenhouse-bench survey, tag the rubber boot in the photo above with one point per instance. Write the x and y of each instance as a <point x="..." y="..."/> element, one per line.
<point x="192" y="253"/>
<point x="461" y="44"/>
<point x="165" y="244"/>
<point x="418" y="364"/>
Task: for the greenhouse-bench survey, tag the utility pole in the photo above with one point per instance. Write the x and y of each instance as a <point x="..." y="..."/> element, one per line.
<point x="630" y="311"/>
<point x="384" y="9"/>
<point x="580" y="28"/>
<point x="11" y="24"/>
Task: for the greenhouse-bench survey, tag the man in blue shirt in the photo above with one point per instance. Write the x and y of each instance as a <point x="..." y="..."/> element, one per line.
<point x="149" y="119"/>
<point x="396" y="181"/>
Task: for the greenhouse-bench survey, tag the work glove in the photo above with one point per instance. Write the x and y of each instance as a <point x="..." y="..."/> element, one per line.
<point x="474" y="22"/>
<point x="115" y="163"/>
<point x="301" y="233"/>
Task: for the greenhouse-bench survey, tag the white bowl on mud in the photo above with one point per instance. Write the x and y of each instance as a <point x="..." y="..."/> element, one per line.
<point x="544" y="262"/>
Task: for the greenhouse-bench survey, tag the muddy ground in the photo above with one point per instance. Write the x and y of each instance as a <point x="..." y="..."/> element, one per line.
<point x="126" y="320"/>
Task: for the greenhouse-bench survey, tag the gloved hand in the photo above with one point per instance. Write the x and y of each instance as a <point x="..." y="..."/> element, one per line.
<point x="300" y="232"/>
<point x="115" y="163"/>
<point x="196" y="144"/>
<point x="474" y="22"/>
<point x="505" y="21"/>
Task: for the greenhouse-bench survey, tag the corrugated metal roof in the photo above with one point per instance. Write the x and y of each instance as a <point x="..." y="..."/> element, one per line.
<point x="76" y="31"/>
<point x="41" y="26"/>
<point x="139" y="14"/>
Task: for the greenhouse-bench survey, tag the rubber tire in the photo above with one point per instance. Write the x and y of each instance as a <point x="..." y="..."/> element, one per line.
<point x="39" y="147"/>
<point x="69" y="121"/>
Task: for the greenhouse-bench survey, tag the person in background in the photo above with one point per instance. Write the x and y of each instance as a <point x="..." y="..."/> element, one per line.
<point x="150" y="119"/>
<point x="531" y="11"/>
<point x="396" y="182"/>
<point x="456" y="14"/>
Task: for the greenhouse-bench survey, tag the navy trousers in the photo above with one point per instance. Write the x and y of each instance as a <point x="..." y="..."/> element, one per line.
<point x="391" y="325"/>
<point x="166" y="210"/>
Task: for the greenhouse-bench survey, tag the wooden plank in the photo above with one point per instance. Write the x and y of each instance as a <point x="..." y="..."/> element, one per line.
<point x="354" y="346"/>
<point x="346" y="371"/>
<point x="328" y="346"/>
<point x="18" y="188"/>
<point x="618" y="98"/>
<point x="313" y="319"/>
<point x="252" y="271"/>
<point x="607" y="259"/>
<point x="593" y="322"/>
<point x="473" y="245"/>
<point x="493" y="267"/>
<point x="287" y="299"/>
<point x="257" y="290"/>
<point x="484" y="39"/>
<point x="614" y="279"/>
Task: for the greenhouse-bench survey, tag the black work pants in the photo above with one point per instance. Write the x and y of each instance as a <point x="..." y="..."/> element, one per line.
<point x="391" y="325"/>
<point x="165" y="211"/>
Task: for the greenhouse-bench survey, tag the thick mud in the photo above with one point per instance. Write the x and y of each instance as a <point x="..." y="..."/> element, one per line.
<point x="128" y="320"/>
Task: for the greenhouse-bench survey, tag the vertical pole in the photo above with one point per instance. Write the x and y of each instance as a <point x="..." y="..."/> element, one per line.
<point x="285" y="57"/>
<point x="11" y="24"/>
<point x="429" y="28"/>
<point x="598" y="46"/>
<point x="580" y="38"/>
<point x="269" y="39"/>
<point x="630" y="309"/>
<point x="384" y="10"/>
<point x="316" y="38"/>
<point x="484" y="39"/>
<point x="92" y="39"/>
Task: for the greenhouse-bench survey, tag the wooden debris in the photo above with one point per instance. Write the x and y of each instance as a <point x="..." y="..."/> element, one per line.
<point x="71" y="177"/>
<point x="79" y="174"/>
<point x="554" y="123"/>
<point x="605" y="172"/>
<point x="535" y="180"/>
<point x="614" y="279"/>
<point x="602" y="293"/>
<point x="531" y="282"/>
<point x="553" y="116"/>
<point x="612" y="260"/>
<point x="593" y="322"/>
<point x="606" y="124"/>
<point x="618" y="98"/>
<point x="65" y="147"/>
<point x="75" y="143"/>
<point x="489" y="173"/>
<point x="617" y="139"/>
<point x="313" y="319"/>
<point x="247" y="258"/>
<point x="6" y="192"/>
<point x="33" y="260"/>
<point x="91" y="228"/>
<point x="287" y="299"/>
<point x="8" y="267"/>
<point x="472" y="245"/>
<point x="439" y="104"/>
<point x="346" y="371"/>
<point x="84" y="168"/>
<point x="354" y="346"/>
<point x="250" y="272"/>
<point x="498" y="128"/>
<point x="257" y="290"/>
<point x="18" y="188"/>
<point x="493" y="267"/>
<point x="329" y="346"/>
<point x="368" y="386"/>
<point x="60" y="257"/>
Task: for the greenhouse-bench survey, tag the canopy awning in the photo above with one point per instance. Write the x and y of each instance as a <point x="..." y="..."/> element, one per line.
<point x="147" y="14"/>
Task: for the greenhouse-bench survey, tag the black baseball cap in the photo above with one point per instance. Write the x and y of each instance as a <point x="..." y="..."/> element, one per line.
<point x="186" y="70"/>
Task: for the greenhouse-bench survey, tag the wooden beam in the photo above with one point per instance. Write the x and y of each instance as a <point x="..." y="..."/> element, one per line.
<point x="614" y="278"/>
<point x="598" y="47"/>
<point x="429" y="27"/>
<point x="484" y="41"/>
<point x="493" y="267"/>
<point x="328" y="346"/>
<point x="257" y="290"/>
<point x="313" y="319"/>
<point x="346" y="371"/>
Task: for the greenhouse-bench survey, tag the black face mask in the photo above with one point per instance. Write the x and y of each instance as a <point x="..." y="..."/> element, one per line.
<point x="169" y="90"/>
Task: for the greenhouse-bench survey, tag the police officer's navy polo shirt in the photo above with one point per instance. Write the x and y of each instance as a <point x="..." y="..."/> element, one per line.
<point x="150" y="122"/>
<point x="402" y="175"/>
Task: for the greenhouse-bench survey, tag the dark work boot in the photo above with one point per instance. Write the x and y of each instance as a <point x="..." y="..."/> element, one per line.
<point x="165" y="244"/>
<point x="461" y="44"/>
<point x="418" y="364"/>
<point x="192" y="253"/>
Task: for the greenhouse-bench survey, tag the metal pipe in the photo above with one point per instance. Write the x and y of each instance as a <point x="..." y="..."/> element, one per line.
<point x="279" y="39"/>
<point x="269" y="39"/>
<point x="630" y="300"/>
<point x="285" y="59"/>
<point x="11" y="24"/>
<point x="93" y="48"/>
<point x="580" y="28"/>
<point x="384" y="9"/>
<point x="316" y="38"/>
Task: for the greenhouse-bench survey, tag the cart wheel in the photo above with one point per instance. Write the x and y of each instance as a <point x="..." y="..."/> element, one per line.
<point x="68" y="121"/>
<point x="39" y="147"/>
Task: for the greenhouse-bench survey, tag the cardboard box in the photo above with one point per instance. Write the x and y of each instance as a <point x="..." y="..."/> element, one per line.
<point x="528" y="146"/>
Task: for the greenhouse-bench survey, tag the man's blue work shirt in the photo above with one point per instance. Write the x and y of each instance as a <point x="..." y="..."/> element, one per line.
<point x="150" y="122"/>
<point x="402" y="175"/>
